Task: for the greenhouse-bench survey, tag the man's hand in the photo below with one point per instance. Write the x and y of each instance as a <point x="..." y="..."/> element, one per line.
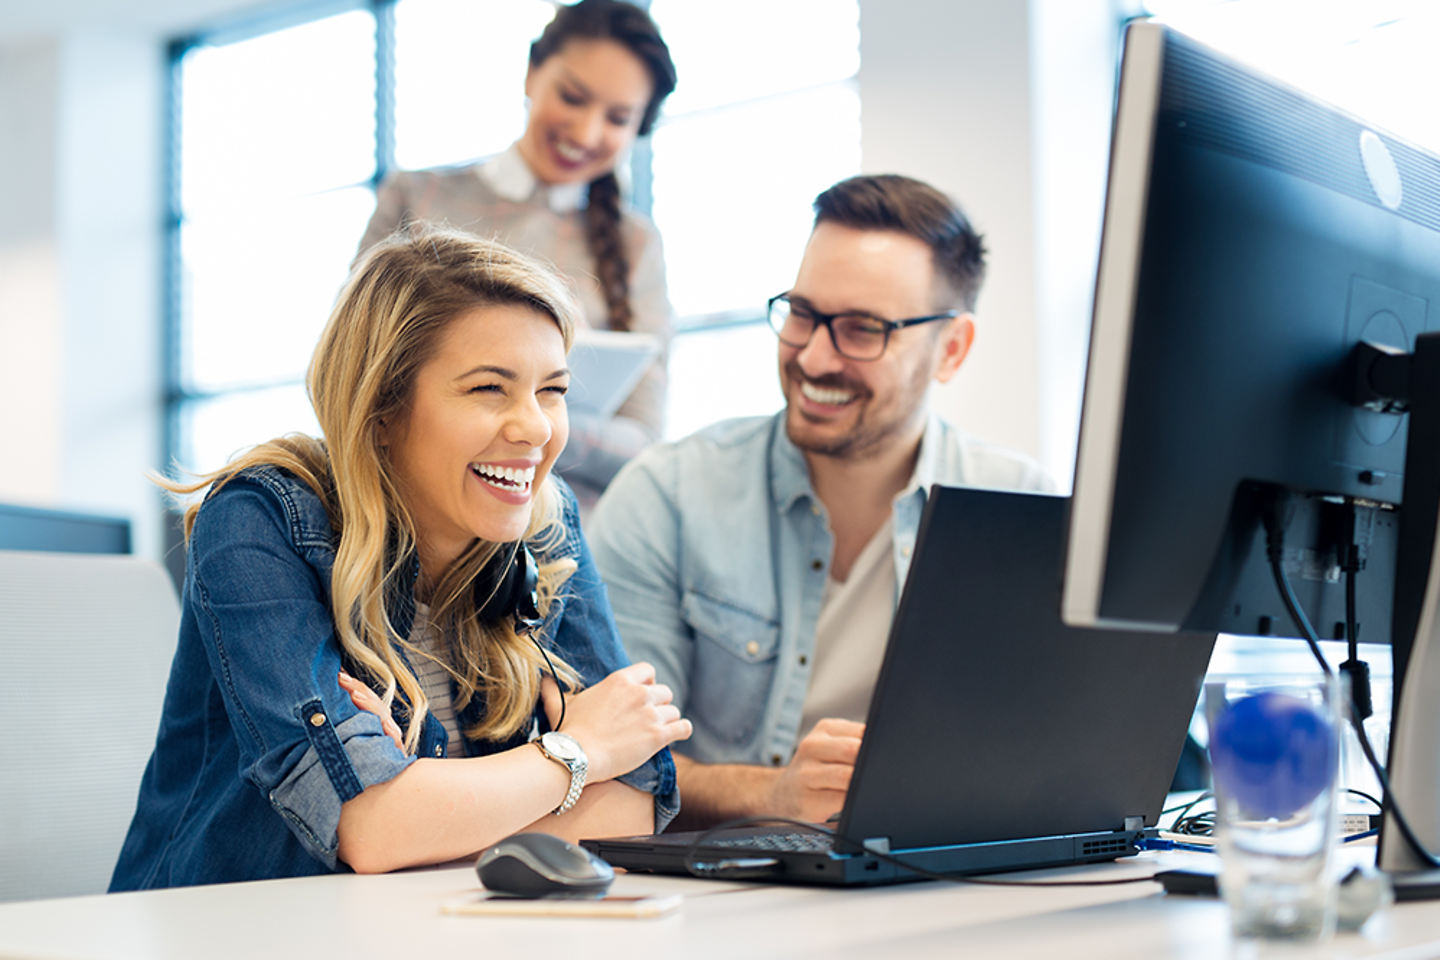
<point x="812" y="786"/>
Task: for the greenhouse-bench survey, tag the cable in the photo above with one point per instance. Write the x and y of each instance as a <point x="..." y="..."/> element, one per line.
<point x="1199" y="825"/>
<point x="1360" y="699"/>
<point x="549" y="663"/>
<point x="1275" y="552"/>
<point x="1355" y="555"/>
<point x="752" y="869"/>
<point x="1275" y="536"/>
<point x="1365" y="796"/>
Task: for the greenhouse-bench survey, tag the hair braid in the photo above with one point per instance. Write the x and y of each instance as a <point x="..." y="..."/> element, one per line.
<point x="607" y="245"/>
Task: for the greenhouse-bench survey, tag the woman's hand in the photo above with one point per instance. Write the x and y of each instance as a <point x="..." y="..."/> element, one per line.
<point x="367" y="699"/>
<point x="620" y="722"/>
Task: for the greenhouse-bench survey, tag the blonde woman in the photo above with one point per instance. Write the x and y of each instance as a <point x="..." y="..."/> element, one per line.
<point x="374" y="622"/>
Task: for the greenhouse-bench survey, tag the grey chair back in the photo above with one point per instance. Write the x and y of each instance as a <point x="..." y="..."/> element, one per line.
<point x="85" y="648"/>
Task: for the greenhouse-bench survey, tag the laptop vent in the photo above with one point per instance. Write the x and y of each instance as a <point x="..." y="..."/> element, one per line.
<point x="1091" y="848"/>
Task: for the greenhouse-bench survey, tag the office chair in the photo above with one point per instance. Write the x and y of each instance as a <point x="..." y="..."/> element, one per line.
<point x="85" y="648"/>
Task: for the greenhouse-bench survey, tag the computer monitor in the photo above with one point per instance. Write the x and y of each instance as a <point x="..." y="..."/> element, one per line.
<point x="1253" y="238"/>
<point x="61" y="531"/>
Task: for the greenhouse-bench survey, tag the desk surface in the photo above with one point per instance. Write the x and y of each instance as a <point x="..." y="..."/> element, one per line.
<point x="398" y="915"/>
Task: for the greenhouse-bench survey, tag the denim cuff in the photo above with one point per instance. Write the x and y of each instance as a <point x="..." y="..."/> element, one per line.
<point x="657" y="776"/>
<point x="310" y="797"/>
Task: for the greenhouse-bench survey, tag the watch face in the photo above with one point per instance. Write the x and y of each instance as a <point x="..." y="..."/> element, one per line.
<point x="562" y="745"/>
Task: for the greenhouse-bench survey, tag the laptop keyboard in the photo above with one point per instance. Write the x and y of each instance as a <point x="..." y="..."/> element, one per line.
<point x="787" y="842"/>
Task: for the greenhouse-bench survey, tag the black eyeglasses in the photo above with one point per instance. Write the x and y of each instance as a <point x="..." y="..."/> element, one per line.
<point x="857" y="336"/>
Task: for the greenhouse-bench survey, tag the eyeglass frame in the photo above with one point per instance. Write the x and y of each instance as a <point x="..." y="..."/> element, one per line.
<point x="827" y="320"/>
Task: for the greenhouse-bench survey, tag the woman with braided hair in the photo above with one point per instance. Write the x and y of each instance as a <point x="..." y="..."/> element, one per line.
<point x="597" y="77"/>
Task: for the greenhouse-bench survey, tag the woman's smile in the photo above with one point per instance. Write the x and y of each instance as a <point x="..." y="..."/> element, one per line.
<point x="488" y="409"/>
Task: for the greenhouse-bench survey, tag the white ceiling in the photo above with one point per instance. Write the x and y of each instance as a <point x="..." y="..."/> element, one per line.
<point x="29" y="20"/>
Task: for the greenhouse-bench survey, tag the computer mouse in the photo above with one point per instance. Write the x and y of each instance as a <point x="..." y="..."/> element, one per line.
<point x="537" y="865"/>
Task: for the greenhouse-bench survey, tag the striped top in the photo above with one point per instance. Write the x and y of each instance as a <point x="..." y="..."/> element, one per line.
<point x="435" y="679"/>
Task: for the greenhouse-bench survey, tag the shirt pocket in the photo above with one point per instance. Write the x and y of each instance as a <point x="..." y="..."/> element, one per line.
<point x="734" y="668"/>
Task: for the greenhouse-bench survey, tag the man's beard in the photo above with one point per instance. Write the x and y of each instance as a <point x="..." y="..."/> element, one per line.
<point x="870" y="434"/>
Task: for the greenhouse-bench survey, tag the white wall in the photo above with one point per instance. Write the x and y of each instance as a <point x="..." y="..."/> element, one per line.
<point x="80" y="273"/>
<point x="1005" y="105"/>
<point x="31" y="325"/>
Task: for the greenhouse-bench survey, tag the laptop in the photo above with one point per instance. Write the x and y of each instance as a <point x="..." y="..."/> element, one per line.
<point x="997" y="738"/>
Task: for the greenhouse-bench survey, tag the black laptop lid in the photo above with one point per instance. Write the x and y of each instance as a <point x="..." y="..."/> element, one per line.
<point x="992" y="720"/>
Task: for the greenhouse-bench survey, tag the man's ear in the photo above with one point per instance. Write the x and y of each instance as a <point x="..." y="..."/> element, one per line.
<point x="954" y="345"/>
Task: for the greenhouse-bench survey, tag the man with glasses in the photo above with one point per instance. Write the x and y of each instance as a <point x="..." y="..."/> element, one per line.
<point x="757" y="563"/>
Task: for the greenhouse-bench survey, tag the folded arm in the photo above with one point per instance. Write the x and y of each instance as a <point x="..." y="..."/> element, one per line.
<point x="443" y="809"/>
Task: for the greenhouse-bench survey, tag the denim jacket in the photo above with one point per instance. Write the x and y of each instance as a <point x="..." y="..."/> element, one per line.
<point x="715" y="550"/>
<point x="258" y="744"/>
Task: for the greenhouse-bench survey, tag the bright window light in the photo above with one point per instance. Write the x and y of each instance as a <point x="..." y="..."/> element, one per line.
<point x="260" y="285"/>
<point x="223" y="426"/>
<point x="727" y="371"/>
<point x="1373" y="58"/>
<point x="744" y="49"/>
<point x="733" y="193"/>
<point x="460" y="77"/>
<point x="281" y="115"/>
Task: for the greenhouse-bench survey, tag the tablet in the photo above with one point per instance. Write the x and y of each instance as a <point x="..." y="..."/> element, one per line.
<point x="605" y="365"/>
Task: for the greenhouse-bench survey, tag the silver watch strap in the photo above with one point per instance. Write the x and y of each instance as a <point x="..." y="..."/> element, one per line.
<point x="578" y="768"/>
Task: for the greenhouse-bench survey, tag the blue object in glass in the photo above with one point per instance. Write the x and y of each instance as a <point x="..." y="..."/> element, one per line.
<point x="1274" y="753"/>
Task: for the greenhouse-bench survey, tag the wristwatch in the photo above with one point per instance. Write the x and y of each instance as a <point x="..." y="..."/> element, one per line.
<point x="562" y="748"/>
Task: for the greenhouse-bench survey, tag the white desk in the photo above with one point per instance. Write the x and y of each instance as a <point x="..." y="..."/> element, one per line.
<point x="398" y="915"/>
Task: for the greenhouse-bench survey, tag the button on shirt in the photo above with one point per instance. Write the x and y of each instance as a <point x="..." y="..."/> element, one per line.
<point x="715" y="551"/>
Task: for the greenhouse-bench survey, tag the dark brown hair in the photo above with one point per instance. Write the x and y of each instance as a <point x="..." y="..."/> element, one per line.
<point x="892" y="202"/>
<point x="632" y="28"/>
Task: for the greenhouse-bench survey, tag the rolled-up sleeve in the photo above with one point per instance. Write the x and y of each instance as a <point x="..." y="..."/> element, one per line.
<point x="267" y="630"/>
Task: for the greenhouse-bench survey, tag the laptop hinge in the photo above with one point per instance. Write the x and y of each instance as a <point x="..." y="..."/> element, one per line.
<point x="877" y="844"/>
<point x="1134" y="824"/>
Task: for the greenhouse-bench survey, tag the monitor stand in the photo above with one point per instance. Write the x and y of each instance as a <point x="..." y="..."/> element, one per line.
<point x="1414" y="763"/>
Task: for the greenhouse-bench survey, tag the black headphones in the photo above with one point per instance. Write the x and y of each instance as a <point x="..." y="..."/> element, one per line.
<point x="506" y="588"/>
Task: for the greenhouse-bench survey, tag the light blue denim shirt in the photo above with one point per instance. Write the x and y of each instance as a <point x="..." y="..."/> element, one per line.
<point x="258" y="745"/>
<point x="715" y="551"/>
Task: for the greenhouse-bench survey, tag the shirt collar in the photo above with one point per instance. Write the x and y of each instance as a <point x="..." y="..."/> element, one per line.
<point x="790" y="479"/>
<point x="511" y="177"/>
<point x="926" y="464"/>
<point x="790" y="476"/>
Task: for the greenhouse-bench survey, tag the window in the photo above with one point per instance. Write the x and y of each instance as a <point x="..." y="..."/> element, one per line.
<point x="275" y="150"/>
<point x="1374" y="58"/>
<point x="747" y="143"/>
<point x="281" y="133"/>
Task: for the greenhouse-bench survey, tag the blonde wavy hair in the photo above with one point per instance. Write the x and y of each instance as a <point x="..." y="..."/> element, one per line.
<point x="387" y="323"/>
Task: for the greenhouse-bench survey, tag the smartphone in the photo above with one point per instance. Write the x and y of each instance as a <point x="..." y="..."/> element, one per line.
<point x="493" y="904"/>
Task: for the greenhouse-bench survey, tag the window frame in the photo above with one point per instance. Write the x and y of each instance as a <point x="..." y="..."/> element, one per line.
<point x="179" y="398"/>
